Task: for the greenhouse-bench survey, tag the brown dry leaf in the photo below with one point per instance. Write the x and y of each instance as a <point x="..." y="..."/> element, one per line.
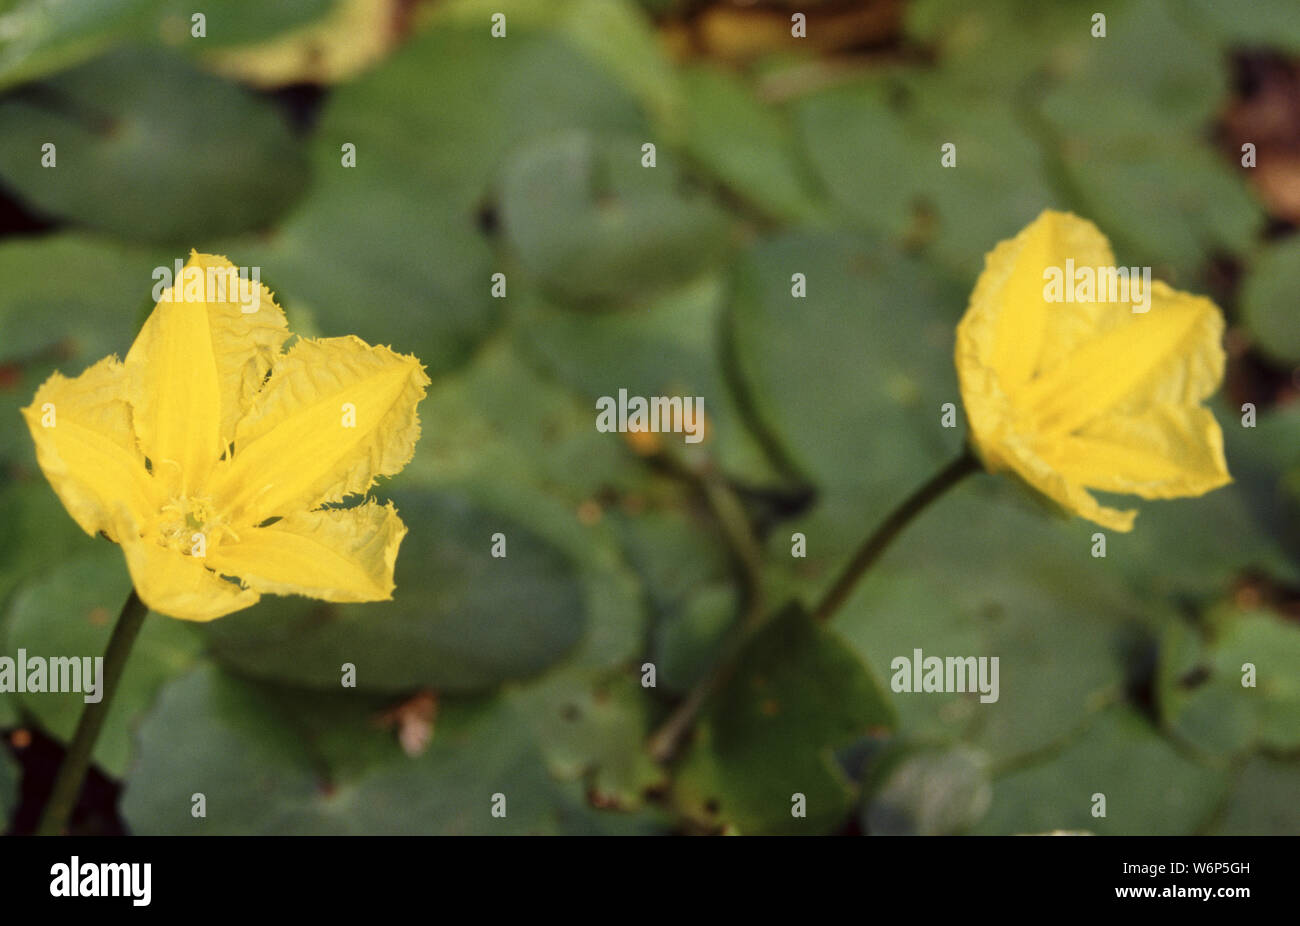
<point x="1267" y="115"/>
<point x="743" y="31"/>
<point x="414" y="719"/>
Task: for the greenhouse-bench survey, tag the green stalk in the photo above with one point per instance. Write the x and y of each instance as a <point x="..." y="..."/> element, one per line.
<point x="667" y="739"/>
<point x="891" y="527"/>
<point x="72" y="773"/>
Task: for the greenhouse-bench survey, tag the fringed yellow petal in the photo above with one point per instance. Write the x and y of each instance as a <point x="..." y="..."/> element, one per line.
<point x="1087" y="394"/>
<point x="196" y="364"/>
<point x="335" y="554"/>
<point x="205" y="452"/>
<point x="86" y="448"/>
<point x="335" y="414"/>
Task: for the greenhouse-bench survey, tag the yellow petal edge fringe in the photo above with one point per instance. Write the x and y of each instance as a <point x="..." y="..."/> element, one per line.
<point x="208" y="453"/>
<point x="1072" y="396"/>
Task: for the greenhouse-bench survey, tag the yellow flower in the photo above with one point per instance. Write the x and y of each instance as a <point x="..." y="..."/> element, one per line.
<point x="209" y="452"/>
<point x="1089" y="393"/>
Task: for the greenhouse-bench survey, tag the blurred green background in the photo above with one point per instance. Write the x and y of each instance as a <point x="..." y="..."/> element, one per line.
<point x="522" y="155"/>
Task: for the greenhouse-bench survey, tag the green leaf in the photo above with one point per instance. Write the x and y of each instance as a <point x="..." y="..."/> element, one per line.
<point x="593" y="225"/>
<point x="392" y="250"/>
<point x="1148" y="76"/>
<point x="524" y="447"/>
<point x="897" y="610"/>
<point x="68" y="300"/>
<point x="1205" y="700"/>
<point x="264" y="768"/>
<point x="848" y="381"/>
<point x="504" y="426"/>
<point x="1115" y="121"/>
<point x="1149" y="787"/>
<point x="614" y="33"/>
<point x="1262" y="801"/>
<point x="1266" y="464"/>
<point x="70" y="612"/>
<point x="689" y="587"/>
<point x="1268" y="297"/>
<point x="150" y="149"/>
<point x="984" y="574"/>
<point x="595" y="732"/>
<point x="878" y="147"/>
<point x="1129" y="117"/>
<point x="492" y="97"/>
<point x="1179" y="183"/>
<point x="1264" y="23"/>
<point x="688" y="638"/>
<point x="460" y="619"/>
<point x="358" y="258"/>
<point x="797" y="696"/>
<point x="999" y="47"/>
<point x="671" y="345"/>
<point x="38" y="37"/>
<point x="38" y="533"/>
<point x="224" y="739"/>
<point x="747" y="145"/>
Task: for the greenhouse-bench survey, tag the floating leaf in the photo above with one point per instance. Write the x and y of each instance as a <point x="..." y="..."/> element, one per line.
<point x="41" y="36"/>
<point x="880" y="148"/>
<point x="262" y="771"/>
<point x="749" y="146"/>
<point x="1148" y="786"/>
<point x="1206" y="700"/>
<point x="1262" y="801"/>
<point x="770" y="735"/>
<point x="589" y="221"/>
<point x="460" y="619"/>
<point x="848" y="381"/>
<point x="151" y="150"/>
<point x="1268" y="299"/>
<point x="70" y="613"/>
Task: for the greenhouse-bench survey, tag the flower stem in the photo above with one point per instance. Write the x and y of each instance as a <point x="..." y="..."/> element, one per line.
<point x="67" y="786"/>
<point x="891" y="527"/>
<point x="735" y="526"/>
<point x="667" y="739"/>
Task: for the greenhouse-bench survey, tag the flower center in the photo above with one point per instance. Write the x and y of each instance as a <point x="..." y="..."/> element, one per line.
<point x="190" y="525"/>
